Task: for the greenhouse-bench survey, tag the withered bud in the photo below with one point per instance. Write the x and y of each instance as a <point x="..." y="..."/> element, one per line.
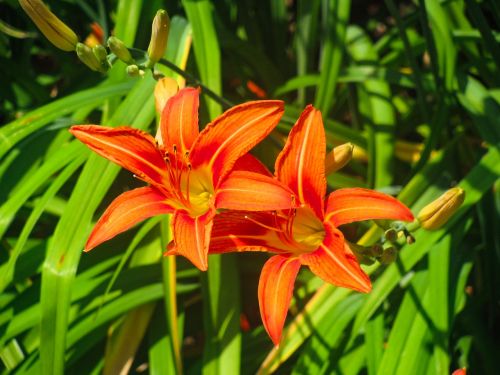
<point x="377" y="250"/>
<point x="159" y="37"/>
<point x="389" y="256"/>
<point x="391" y="235"/>
<point x="56" y="31"/>
<point x="437" y="213"/>
<point x="338" y="157"/>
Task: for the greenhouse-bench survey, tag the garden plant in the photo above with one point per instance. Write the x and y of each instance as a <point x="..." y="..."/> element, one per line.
<point x="240" y="187"/>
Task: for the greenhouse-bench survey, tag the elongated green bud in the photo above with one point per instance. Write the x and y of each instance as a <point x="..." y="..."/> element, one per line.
<point x="120" y="50"/>
<point x="87" y="57"/>
<point x="159" y="37"/>
<point x="101" y="55"/>
<point x="437" y="213"/>
<point x="338" y="157"/>
<point x="56" y="31"/>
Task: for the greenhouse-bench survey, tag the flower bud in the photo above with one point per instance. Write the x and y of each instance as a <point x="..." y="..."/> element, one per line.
<point x="120" y="50"/>
<point x="338" y="157"/>
<point x="391" y="235"/>
<point x="102" y="56"/>
<point x="134" y="71"/>
<point x="87" y="57"/>
<point x="438" y="212"/>
<point x="56" y="31"/>
<point x="159" y="37"/>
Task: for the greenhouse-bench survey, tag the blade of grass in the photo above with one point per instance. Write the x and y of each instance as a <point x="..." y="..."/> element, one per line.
<point x="206" y="47"/>
<point x="63" y="157"/>
<point x="305" y="41"/>
<point x="402" y="324"/>
<point x="64" y="253"/>
<point x="60" y="180"/>
<point x="335" y="25"/>
<point x="377" y="110"/>
<point x="374" y="342"/>
<point x="12" y="133"/>
<point x="124" y="342"/>
<point x="221" y="298"/>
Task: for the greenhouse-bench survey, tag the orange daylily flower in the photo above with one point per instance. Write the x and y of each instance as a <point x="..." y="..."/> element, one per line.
<point x="306" y="235"/>
<point x="190" y="173"/>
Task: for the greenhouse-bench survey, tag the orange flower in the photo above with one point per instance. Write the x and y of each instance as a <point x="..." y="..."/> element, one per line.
<point x="191" y="174"/>
<point x="306" y="235"/>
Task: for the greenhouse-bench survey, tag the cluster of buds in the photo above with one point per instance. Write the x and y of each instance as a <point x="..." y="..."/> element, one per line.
<point x="97" y="58"/>
<point x="431" y="217"/>
<point x="385" y="253"/>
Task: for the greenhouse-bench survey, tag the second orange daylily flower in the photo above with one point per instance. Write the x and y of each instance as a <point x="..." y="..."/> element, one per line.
<point x="307" y="235"/>
<point x="191" y="173"/>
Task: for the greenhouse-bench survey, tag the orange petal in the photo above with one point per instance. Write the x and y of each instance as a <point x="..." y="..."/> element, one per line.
<point x="131" y="148"/>
<point x="250" y="191"/>
<point x="125" y="211"/>
<point x="179" y="120"/>
<point x="233" y="134"/>
<point x="191" y="238"/>
<point x="301" y="164"/>
<point x="238" y="231"/>
<point x="356" y="204"/>
<point x="275" y="293"/>
<point x="250" y="163"/>
<point x="335" y="263"/>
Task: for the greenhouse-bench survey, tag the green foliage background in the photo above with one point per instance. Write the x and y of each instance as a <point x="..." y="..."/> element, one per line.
<point x="382" y="73"/>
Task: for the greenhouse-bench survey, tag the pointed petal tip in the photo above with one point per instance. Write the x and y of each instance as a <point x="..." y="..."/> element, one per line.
<point x="201" y="264"/>
<point x="276" y="341"/>
<point x="366" y="288"/>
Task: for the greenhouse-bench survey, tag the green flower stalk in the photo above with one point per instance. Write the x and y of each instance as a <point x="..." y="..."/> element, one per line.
<point x="159" y="37"/>
<point x="56" y="31"/>
<point x="120" y="50"/>
<point x="437" y="213"/>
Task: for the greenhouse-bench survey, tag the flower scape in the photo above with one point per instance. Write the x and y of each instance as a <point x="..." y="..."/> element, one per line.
<point x="224" y="200"/>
